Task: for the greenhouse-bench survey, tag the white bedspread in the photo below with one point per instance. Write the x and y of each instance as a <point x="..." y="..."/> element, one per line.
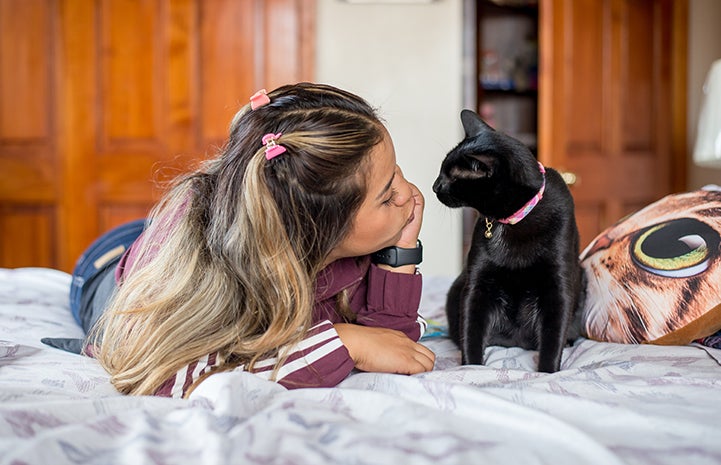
<point x="610" y="404"/>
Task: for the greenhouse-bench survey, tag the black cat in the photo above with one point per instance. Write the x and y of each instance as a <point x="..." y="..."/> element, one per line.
<point x="522" y="280"/>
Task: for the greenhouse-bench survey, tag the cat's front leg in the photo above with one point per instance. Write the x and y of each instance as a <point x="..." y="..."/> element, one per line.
<point x="474" y="324"/>
<point x="549" y="355"/>
<point x="556" y="311"/>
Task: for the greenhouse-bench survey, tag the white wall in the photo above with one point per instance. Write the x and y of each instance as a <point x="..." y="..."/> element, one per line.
<point x="704" y="47"/>
<point x="405" y="59"/>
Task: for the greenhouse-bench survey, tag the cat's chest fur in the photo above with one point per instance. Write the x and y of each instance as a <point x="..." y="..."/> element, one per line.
<point x="521" y="282"/>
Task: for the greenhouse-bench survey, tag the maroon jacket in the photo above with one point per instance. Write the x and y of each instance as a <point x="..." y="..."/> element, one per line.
<point x="378" y="297"/>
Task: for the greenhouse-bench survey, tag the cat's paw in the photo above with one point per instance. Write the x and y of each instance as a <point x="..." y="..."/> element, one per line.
<point x="472" y="356"/>
<point x="546" y="365"/>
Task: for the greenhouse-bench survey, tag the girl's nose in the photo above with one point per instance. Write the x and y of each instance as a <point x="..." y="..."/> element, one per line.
<point x="406" y="193"/>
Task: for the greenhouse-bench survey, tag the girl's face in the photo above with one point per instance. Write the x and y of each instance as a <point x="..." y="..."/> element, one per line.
<point x="385" y="211"/>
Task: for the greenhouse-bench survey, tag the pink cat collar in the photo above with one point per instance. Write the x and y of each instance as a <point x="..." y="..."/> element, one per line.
<point x="526" y="209"/>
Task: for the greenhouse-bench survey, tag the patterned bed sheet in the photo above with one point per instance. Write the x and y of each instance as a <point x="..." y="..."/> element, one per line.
<point x="610" y="404"/>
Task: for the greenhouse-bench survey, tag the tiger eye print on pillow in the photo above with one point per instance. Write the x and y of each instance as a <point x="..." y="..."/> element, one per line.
<point x="655" y="276"/>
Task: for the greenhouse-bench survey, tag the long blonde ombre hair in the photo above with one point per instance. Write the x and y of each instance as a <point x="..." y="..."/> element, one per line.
<point x="233" y="249"/>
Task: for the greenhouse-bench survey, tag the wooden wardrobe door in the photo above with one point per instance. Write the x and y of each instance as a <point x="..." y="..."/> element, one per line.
<point x="102" y="102"/>
<point x="612" y="102"/>
<point x="29" y="185"/>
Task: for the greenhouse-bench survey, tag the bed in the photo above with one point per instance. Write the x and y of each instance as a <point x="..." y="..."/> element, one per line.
<point x="610" y="404"/>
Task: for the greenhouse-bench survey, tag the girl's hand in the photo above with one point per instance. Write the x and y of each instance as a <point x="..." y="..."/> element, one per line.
<point x="409" y="235"/>
<point x="384" y="350"/>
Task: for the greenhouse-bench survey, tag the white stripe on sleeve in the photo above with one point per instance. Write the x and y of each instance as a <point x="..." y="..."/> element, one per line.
<point x="177" y="391"/>
<point x="323" y="336"/>
<point x="200" y="367"/>
<point x="423" y="324"/>
<point x="303" y="362"/>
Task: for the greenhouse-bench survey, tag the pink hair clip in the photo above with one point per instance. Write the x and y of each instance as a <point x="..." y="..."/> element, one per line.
<point x="272" y="149"/>
<point x="259" y="99"/>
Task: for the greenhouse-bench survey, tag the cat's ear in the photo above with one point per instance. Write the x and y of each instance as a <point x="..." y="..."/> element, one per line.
<point x="473" y="124"/>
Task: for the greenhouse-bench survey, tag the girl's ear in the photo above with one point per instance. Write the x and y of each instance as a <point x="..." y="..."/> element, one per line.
<point x="473" y="124"/>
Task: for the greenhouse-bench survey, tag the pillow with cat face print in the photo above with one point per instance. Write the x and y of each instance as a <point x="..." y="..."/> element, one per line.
<point x="655" y="276"/>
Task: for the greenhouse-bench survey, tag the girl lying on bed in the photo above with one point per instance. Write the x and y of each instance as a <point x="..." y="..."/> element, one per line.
<point x="263" y="260"/>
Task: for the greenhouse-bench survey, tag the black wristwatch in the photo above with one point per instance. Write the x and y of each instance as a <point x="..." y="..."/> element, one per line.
<point x="398" y="256"/>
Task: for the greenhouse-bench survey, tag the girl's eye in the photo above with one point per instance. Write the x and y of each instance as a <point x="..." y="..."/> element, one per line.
<point x="392" y="197"/>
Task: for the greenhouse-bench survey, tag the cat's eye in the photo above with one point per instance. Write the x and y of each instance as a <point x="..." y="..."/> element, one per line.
<point x="474" y="164"/>
<point x="477" y="168"/>
<point x="676" y="249"/>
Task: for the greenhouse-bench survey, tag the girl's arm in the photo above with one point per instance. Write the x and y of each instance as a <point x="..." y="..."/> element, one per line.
<point x="392" y="301"/>
<point x="324" y="358"/>
<point x="331" y="351"/>
<point x="382" y="340"/>
<point x="388" y="324"/>
<point x="319" y="360"/>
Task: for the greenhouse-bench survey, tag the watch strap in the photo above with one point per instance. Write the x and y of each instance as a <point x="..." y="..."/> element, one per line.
<point x="398" y="256"/>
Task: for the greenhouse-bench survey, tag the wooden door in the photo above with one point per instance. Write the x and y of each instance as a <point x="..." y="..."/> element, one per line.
<point x="612" y="103"/>
<point x="103" y="101"/>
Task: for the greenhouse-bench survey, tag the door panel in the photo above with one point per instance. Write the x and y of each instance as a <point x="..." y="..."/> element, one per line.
<point x="103" y="102"/>
<point x="28" y="133"/>
<point x="235" y="23"/>
<point x="583" y="104"/>
<point x="27" y="232"/>
<point x="608" y="101"/>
